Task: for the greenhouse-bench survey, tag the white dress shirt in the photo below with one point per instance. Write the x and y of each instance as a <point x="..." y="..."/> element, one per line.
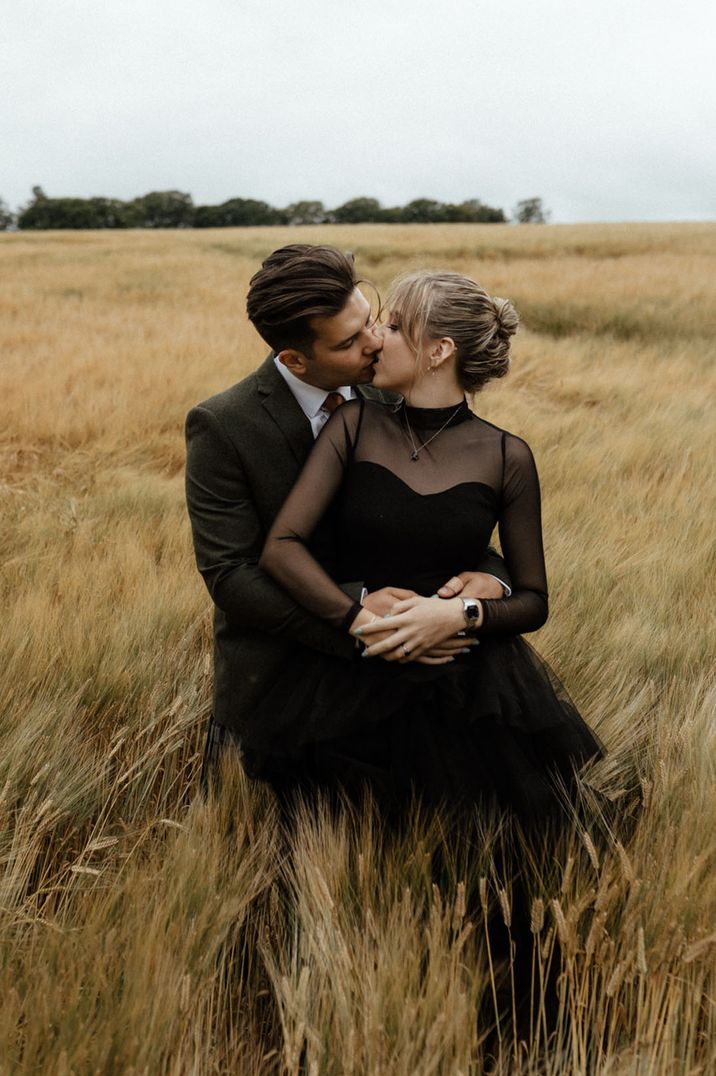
<point x="310" y="398"/>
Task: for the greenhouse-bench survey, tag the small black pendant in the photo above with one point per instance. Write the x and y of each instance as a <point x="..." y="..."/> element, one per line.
<point x="413" y="456"/>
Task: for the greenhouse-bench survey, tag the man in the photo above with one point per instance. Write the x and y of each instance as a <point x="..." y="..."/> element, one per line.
<point x="245" y="449"/>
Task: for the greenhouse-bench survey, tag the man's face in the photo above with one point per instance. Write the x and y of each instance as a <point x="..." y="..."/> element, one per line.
<point x="343" y="351"/>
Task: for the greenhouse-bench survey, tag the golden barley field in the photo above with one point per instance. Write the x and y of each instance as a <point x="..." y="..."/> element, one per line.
<point x="143" y="931"/>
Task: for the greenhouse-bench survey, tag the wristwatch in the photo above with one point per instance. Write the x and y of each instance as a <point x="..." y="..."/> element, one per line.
<point x="471" y="610"/>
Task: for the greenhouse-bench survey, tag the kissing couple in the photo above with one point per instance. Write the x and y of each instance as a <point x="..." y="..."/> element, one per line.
<point x="342" y="500"/>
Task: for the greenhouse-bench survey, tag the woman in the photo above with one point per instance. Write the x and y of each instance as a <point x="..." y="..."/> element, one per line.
<point x="415" y="492"/>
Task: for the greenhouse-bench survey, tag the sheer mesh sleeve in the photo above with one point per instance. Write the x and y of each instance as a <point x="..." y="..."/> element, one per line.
<point x="520" y="529"/>
<point x="285" y="555"/>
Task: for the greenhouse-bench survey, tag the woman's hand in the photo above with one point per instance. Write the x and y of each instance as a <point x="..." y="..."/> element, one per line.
<point x="382" y="602"/>
<point x="416" y="626"/>
<point x="364" y="618"/>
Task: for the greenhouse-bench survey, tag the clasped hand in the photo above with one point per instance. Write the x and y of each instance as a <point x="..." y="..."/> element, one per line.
<point x="390" y="602"/>
<point x="417" y="629"/>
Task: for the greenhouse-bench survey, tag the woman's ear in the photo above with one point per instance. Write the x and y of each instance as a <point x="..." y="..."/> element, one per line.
<point x="440" y="352"/>
<point x="293" y="360"/>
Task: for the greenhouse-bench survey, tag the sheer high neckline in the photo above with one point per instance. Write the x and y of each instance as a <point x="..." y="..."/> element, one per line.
<point x="432" y="418"/>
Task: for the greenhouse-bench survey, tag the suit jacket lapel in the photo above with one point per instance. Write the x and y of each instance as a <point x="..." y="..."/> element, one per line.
<point x="286" y="413"/>
<point x="282" y="406"/>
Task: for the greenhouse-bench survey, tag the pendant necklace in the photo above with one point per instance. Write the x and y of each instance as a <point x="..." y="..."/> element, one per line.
<point x="419" y="448"/>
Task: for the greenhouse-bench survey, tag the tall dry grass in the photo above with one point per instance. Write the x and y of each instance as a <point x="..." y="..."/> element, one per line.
<point x="144" y="931"/>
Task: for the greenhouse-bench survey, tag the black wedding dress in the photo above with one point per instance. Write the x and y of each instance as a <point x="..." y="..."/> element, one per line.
<point x="495" y="724"/>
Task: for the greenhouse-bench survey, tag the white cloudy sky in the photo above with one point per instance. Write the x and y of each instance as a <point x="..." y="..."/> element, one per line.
<point x="604" y="109"/>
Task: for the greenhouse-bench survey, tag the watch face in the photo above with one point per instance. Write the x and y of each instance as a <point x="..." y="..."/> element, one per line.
<point x="471" y="608"/>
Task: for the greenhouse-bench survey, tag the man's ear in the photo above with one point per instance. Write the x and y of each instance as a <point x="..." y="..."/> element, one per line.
<point x="293" y="360"/>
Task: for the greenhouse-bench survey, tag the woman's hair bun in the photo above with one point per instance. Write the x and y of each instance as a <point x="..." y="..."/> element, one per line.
<point x="506" y="317"/>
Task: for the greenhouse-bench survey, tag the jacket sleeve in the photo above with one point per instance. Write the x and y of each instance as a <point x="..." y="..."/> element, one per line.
<point x="493" y="564"/>
<point x="228" y="539"/>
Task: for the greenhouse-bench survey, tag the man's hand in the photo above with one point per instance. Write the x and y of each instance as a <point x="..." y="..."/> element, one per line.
<point x="366" y="617"/>
<point x="472" y="585"/>
<point x="381" y="602"/>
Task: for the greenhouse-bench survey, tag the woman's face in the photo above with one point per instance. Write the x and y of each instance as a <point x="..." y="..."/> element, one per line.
<point x="396" y="366"/>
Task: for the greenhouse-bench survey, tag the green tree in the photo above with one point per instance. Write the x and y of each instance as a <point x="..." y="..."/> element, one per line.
<point x="164" y="209"/>
<point x="423" y="211"/>
<point x="75" y="213"/>
<point x="65" y="213"/>
<point x="32" y="215"/>
<point x="473" y="211"/>
<point x="305" y="213"/>
<point x="236" y="213"/>
<point x="7" y="217"/>
<point x="392" y="215"/>
<point x="531" y="211"/>
<point x="358" y="211"/>
<point x="112" y="213"/>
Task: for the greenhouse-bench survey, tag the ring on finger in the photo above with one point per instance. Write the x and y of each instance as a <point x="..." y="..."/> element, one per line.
<point x="406" y="651"/>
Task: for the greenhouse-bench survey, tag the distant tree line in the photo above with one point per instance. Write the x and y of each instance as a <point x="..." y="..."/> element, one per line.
<point x="175" y="209"/>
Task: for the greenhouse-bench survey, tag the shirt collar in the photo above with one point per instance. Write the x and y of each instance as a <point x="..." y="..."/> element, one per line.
<point x="309" y="397"/>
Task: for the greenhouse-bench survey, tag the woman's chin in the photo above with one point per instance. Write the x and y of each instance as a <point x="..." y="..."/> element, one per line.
<point x="381" y="380"/>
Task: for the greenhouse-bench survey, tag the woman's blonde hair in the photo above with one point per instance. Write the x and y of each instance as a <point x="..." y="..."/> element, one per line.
<point x="431" y="305"/>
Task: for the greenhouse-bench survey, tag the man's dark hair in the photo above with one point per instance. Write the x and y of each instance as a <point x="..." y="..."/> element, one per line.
<point x="293" y="285"/>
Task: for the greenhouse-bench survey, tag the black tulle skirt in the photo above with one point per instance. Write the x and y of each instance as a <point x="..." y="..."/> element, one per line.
<point x="493" y="726"/>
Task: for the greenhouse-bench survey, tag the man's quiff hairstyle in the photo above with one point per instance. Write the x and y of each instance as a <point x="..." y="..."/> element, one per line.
<point x="295" y="284"/>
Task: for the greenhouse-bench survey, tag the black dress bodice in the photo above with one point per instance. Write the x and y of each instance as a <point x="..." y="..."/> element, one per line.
<point x="413" y="522"/>
<point x="422" y="553"/>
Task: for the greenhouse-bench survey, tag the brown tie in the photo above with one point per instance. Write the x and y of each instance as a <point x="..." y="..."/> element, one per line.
<point x="332" y="401"/>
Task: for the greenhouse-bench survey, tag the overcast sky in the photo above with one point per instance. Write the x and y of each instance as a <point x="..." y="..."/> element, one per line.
<point x="607" y="110"/>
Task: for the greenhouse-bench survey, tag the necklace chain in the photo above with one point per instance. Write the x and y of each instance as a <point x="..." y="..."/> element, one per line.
<point x="414" y="453"/>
